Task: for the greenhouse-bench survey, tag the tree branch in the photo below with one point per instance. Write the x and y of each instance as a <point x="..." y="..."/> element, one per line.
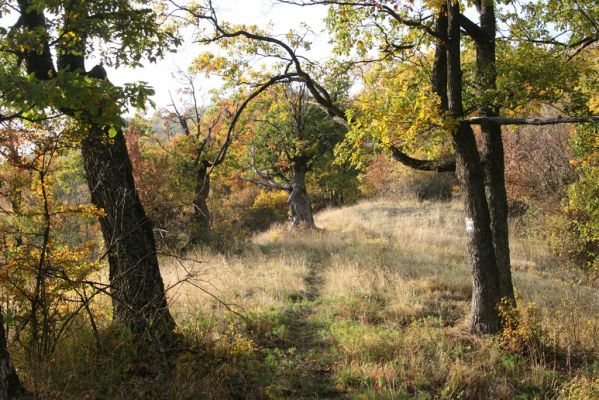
<point x="474" y="31"/>
<point x="377" y="5"/>
<point x="267" y="185"/>
<point x="531" y="121"/>
<point x="423" y="165"/>
<point x="261" y="88"/>
<point x="38" y="63"/>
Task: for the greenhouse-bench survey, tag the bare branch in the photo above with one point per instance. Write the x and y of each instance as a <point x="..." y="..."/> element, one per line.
<point x="267" y="185"/>
<point x="532" y="121"/>
<point x="423" y="165"/>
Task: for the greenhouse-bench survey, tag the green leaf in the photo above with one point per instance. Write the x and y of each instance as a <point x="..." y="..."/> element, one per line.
<point x="112" y="132"/>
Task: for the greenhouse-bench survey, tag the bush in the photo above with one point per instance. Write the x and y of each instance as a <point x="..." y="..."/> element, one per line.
<point x="269" y="207"/>
<point x="582" y="208"/>
<point x="551" y="179"/>
<point x="240" y="209"/>
<point x="537" y="166"/>
<point x="388" y="177"/>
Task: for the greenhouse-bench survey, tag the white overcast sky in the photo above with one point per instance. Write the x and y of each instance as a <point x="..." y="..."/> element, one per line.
<point x="259" y="12"/>
<point x="283" y="17"/>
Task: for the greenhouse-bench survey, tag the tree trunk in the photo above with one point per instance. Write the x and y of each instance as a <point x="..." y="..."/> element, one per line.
<point x="10" y="385"/>
<point x="493" y="154"/>
<point x="139" y="298"/>
<point x="201" y="215"/>
<point x="498" y="207"/>
<point x="299" y="202"/>
<point x="485" y="293"/>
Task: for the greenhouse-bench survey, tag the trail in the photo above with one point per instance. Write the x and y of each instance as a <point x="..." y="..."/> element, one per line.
<point x="309" y="375"/>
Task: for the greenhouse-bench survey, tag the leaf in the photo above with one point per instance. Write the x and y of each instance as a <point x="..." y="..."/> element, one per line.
<point x="112" y="132"/>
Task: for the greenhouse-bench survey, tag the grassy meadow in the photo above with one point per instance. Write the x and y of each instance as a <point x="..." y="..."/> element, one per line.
<point x="373" y="305"/>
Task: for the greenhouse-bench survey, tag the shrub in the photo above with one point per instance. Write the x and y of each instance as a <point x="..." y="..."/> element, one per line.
<point x="388" y="177"/>
<point x="582" y="207"/>
<point x="537" y="166"/>
<point x="551" y="179"/>
<point x="522" y="329"/>
<point x="240" y="209"/>
<point x="269" y="207"/>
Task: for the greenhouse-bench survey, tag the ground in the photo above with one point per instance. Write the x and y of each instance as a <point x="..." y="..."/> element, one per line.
<point x="373" y="305"/>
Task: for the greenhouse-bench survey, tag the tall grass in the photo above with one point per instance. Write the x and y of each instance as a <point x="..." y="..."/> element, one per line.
<point x="372" y="305"/>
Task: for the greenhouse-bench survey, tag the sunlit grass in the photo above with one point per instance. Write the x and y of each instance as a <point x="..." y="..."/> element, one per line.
<point x="373" y="305"/>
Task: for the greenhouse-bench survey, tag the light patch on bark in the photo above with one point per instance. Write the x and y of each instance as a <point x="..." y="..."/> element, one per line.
<point x="469" y="225"/>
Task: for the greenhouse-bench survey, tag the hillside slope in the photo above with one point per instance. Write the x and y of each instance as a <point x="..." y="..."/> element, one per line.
<point x="375" y="305"/>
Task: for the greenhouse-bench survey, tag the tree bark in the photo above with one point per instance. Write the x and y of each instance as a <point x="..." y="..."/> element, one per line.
<point x="492" y="149"/>
<point x="139" y="299"/>
<point x="201" y="214"/>
<point x="10" y="385"/>
<point x="299" y="202"/>
<point x="498" y="207"/>
<point x="485" y="293"/>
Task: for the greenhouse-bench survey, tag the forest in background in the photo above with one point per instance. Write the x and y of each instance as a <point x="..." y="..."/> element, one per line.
<point x="416" y="216"/>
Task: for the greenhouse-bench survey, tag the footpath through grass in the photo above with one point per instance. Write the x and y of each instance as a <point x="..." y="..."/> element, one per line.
<point x="372" y="306"/>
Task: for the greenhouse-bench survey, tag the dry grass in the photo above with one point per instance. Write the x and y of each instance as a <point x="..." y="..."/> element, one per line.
<point x="374" y="305"/>
<point x="249" y="282"/>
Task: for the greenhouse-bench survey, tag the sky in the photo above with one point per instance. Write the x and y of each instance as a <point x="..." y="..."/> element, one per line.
<point x="161" y="75"/>
<point x="260" y="12"/>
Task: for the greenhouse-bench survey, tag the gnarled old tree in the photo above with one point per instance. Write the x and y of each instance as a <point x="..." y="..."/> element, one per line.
<point x="290" y="137"/>
<point x="384" y="34"/>
<point x="44" y="54"/>
<point x="300" y="207"/>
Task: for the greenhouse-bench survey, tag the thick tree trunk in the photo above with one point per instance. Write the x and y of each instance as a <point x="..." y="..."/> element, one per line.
<point x="493" y="154"/>
<point x="299" y="202"/>
<point x="201" y="214"/>
<point x="498" y="207"/>
<point x="139" y="298"/>
<point x="10" y="385"/>
<point x="485" y="293"/>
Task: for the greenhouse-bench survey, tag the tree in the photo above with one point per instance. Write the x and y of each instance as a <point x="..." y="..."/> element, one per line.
<point x="290" y="137"/>
<point x="404" y="32"/>
<point x="203" y="129"/>
<point x="44" y="72"/>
